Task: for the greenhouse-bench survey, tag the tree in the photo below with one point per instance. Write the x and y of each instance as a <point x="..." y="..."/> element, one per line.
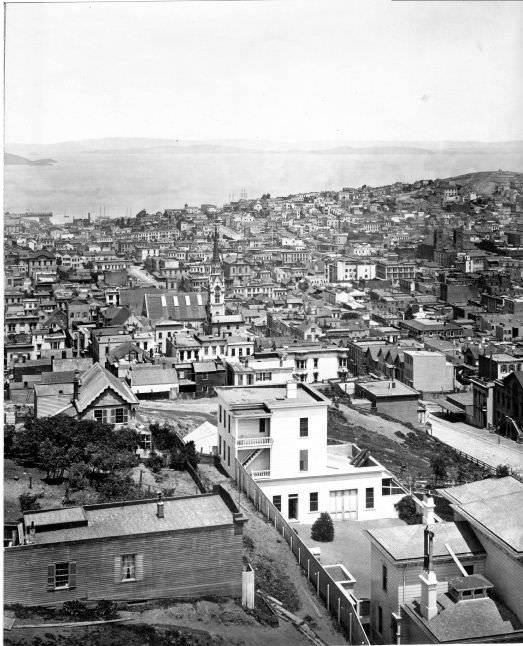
<point x="28" y="502"/>
<point x="408" y="511"/>
<point x="502" y="470"/>
<point x="323" y="529"/>
<point x="439" y="468"/>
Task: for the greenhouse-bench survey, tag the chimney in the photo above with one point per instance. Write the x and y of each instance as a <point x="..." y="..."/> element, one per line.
<point x="428" y="510"/>
<point x="159" y="505"/>
<point x="76" y="385"/>
<point x="429" y="582"/>
<point x="292" y="389"/>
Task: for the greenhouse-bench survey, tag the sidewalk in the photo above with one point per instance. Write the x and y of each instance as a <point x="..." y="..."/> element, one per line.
<point x="479" y="443"/>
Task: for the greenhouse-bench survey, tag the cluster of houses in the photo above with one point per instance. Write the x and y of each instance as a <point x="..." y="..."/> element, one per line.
<point x="404" y="297"/>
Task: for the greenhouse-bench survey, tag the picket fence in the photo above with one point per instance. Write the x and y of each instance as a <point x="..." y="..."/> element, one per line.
<point x="326" y="588"/>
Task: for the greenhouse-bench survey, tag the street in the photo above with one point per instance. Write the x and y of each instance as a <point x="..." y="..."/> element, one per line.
<point x="142" y="275"/>
<point x="479" y="443"/>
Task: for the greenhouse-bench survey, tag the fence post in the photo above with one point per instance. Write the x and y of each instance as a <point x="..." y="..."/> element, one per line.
<point x="308" y="570"/>
<point x="299" y="555"/>
<point x="318" y="583"/>
<point x="350" y="628"/>
<point x="339" y="609"/>
<point x="328" y="596"/>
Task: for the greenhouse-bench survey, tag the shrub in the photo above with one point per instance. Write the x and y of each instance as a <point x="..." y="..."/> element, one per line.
<point x="401" y="435"/>
<point x="323" y="529"/>
<point x="155" y="462"/>
<point x="407" y="511"/>
<point x="502" y="470"/>
<point x="75" y="609"/>
<point x="28" y="501"/>
<point x="106" y="609"/>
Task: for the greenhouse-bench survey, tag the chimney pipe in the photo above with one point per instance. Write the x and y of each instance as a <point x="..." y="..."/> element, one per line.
<point x="159" y="506"/>
<point x="292" y="389"/>
<point x="76" y="385"/>
<point x="428" y="510"/>
<point x="429" y="582"/>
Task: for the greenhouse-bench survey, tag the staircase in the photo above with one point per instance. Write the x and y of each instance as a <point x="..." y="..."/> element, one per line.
<point x="517" y="428"/>
<point x="252" y="456"/>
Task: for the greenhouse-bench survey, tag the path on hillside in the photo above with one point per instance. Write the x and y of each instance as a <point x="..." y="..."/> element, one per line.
<point x="479" y="443"/>
<point x="374" y="423"/>
<point x="142" y="275"/>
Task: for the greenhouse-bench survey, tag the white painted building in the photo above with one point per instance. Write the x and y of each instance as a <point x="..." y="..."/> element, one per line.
<point x="279" y="434"/>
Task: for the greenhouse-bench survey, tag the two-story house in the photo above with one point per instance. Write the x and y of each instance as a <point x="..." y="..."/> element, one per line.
<point x="278" y="433"/>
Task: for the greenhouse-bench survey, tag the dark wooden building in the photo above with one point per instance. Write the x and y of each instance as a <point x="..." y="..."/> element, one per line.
<point x="176" y="547"/>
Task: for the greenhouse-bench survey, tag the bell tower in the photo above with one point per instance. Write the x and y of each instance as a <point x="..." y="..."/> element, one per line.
<point x="216" y="300"/>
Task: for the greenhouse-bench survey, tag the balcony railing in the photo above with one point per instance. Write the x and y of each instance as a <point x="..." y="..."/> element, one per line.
<point x="253" y="442"/>
<point x="260" y="475"/>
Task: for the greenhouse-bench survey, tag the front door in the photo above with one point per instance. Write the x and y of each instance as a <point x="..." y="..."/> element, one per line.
<point x="344" y="504"/>
<point x="293" y="506"/>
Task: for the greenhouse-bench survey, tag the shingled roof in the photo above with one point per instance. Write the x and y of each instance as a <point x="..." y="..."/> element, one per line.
<point x="177" y="306"/>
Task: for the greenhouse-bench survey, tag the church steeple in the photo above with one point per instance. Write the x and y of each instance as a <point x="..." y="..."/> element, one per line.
<point x="216" y="250"/>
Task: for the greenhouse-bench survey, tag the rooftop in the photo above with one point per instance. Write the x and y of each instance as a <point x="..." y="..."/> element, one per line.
<point x="271" y="396"/>
<point x="129" y="518"/>
<point x="405" y="542"/>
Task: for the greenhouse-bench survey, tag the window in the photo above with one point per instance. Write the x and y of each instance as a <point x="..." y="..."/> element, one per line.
<point x="390" y="487"/>
<point x="220" y="413"/>
<point x="304" y="460"/>
<point x="304" y="427"/>
<point x="262" y="425"/>
<point x="121" y="416"/>
<point x="315" y="363"/>
<point x="276" y="501"/>
<point x="228" y="456"/>
<point x="469" y="569"/>
<point x="380" y="620"/>
<point x="229" y="424"/>
<point x="129" y="567"/>
<point x="61" y="576"/>
<point x="313" y="501"/>
<point x="369" y="498"/>
<point x="100" y="414"/>
<point x="384" y="577"/>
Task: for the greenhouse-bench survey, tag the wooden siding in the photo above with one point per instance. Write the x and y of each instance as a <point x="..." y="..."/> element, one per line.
<point x="175" y="564"/>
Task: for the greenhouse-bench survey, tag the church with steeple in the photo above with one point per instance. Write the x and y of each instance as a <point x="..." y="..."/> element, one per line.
<point x="216" y="288"/>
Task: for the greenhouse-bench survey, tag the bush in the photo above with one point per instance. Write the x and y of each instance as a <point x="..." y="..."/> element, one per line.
<point x="106" y="609"/>
<point x="502" y="470"/>
<point x="408" y="511"/>
<point x="28" y="502"/>
<point x="323" y="529"/>
<point x="75" y="609"/>
<point x="155" y="462"/>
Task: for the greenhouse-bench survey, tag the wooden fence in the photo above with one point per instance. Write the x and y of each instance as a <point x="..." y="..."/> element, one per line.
<point x="336" y="602"/>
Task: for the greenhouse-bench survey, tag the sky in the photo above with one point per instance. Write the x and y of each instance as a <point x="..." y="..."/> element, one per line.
<point x="376" y="70"/>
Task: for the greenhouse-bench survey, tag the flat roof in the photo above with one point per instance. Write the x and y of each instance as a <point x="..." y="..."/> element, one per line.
<point x="383" y="388"/>
<point x="271" y="396"/>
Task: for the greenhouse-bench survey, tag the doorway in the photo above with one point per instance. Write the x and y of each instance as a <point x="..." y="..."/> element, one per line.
<point x="293" y="506"/>
<point x="344" y="504"/>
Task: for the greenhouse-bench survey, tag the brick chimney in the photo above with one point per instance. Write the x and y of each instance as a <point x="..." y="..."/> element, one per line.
<point x="159" y="506"/>
<point x="429" y="582"/>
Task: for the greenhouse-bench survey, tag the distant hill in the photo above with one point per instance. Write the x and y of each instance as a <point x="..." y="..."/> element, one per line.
<point x="375" y="150"/>
<point x="486" y="181"/>
<point x="16" y="160"/>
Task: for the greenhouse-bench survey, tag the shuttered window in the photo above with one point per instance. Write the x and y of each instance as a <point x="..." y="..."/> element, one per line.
<point x="61" y="576"/>
<point x="128" y="568"/>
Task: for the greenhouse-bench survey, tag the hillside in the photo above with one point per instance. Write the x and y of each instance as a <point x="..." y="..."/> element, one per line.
<point x="486" y="182"/>
<point x="16" y="160"/>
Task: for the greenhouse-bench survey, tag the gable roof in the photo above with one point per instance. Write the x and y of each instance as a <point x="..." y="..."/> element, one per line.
<point x="177" y="306"/>
<point x="95" y="381"/>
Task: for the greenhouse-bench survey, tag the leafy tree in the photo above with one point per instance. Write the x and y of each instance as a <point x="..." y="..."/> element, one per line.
<point x="155" y="462"/>
<point x="439" y="468"/>
<point x="408" y="511"/>
<point x="9" y="439"/>
<point x="502" y="470"/>
<point x="323" y="529"/>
